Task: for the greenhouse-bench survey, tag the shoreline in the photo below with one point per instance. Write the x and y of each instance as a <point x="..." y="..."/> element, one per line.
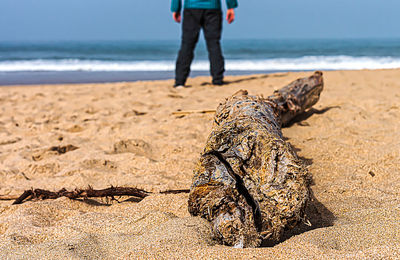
<point x="87" y="77"/>
<point x="13" y="79"/>
<point x="9" y="79"/>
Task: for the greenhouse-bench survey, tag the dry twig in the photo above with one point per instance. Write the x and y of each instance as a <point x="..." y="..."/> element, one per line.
<point x="188" y="112"/>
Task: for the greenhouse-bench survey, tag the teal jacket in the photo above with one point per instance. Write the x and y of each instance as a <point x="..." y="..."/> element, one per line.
<point x="176" y="5"/>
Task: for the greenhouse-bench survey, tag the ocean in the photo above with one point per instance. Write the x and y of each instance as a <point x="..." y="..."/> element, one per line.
<point x="102" y="61"/>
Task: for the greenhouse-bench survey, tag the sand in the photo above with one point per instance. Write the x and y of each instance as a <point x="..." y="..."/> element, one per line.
<point x="351" y="144"/>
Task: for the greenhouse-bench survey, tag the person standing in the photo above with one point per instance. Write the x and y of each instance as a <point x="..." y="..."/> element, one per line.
<point x="197" y="15"/>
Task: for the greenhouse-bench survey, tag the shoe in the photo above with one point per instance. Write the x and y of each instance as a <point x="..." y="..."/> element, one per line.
<point x="176" y="85"/>
<point x="218" y="83"/>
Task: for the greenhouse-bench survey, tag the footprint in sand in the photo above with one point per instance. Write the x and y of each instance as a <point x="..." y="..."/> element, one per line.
<point x="99" y="164"/>
<point x="134" y="112"/>
<point x="135" y="146"/>
<point x="12" y="140"/>
<point x="33" y="170"/>
<point x="91" y="110"/>
<point x="52" y="151"/>
<point x="75" y="129"/>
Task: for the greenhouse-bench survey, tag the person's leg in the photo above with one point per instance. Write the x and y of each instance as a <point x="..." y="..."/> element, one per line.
<point x="190" y="36"/>
<point x="212" y="32"/>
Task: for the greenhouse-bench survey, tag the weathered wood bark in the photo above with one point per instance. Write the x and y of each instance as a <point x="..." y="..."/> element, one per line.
<point x="249" y="182"/>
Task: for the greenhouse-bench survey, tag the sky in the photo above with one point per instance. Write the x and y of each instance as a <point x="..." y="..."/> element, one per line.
<point x="88" y="20"/>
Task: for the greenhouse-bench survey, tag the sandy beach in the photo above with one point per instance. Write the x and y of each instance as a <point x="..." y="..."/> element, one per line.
<point x="350" y="142"/>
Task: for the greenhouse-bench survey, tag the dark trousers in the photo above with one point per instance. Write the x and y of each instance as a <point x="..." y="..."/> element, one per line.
<point x="210" y="20"/>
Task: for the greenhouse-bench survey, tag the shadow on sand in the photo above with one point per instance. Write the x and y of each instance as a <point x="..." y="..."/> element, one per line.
<point x="227" y="82"/>
<point x="304" y="116"/>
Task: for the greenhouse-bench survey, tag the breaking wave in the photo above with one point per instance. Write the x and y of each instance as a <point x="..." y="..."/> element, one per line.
<point x="277" y="64"/>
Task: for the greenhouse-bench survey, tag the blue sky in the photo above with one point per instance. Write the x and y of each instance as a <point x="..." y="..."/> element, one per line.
<point x="55" y="20"/>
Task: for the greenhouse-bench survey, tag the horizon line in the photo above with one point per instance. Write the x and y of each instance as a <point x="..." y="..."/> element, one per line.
<point x="178" y="40"/>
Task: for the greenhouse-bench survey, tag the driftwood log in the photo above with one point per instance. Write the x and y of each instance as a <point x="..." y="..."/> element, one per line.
<point x="249" y="183"/>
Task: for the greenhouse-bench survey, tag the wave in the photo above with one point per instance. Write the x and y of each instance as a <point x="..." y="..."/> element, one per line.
<point x="277" y="64"/>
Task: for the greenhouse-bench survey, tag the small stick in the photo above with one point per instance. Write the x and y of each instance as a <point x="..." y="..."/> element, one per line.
<point x="175" y="191"/>
<point x="188" y="112"/>
<point x="26" y="195"/>
<point x="9" y="197"/>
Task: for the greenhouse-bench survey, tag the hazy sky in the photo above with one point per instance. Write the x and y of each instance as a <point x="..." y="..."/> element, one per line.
<point x="33" y="20"/>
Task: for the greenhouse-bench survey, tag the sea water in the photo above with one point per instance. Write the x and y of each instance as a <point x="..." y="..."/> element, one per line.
<point x="100" y="61"/>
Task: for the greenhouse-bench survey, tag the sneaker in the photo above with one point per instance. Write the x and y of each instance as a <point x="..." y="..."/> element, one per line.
<point x="179" y="86"/>
<point x="218" y="83"/>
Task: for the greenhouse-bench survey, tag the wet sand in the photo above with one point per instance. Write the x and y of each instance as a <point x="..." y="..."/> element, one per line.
<point x="350" y="142"/>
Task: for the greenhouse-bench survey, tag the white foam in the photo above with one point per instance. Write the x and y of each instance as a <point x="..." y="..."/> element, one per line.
<point x="303" y="63"/>
<point x="318" y="62"/>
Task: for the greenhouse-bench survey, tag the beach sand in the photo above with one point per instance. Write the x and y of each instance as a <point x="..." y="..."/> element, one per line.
<point x="351" y="144"/>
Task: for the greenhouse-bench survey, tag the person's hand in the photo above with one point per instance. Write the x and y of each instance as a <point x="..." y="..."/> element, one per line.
<point x="177" y="17"/>
<point x="230" y="15"/>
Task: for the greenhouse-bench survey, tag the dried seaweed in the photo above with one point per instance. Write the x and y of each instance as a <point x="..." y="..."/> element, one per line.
<point x="112" y="192"/>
